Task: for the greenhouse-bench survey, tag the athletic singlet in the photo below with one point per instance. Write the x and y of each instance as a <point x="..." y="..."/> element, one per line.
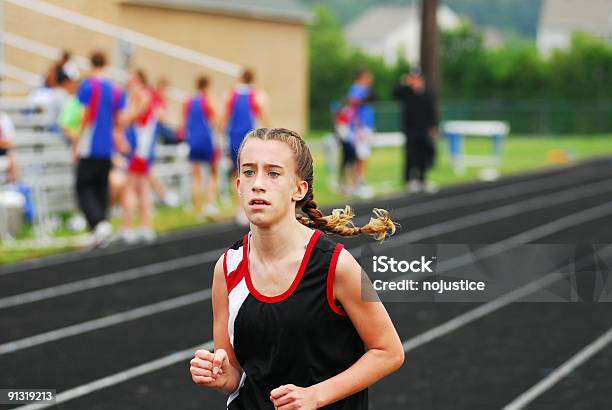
<point x="142" y="136"/>
<point x="102" y="100"/>
<point x="299" y="337"/>
<point x="242" y="109"/>
<point x="198" y="114"/>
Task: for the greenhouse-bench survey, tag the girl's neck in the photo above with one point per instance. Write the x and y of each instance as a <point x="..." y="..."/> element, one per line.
<point x="277" y="241"/>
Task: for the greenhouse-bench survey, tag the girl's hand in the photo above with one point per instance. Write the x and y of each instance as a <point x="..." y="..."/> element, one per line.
<point x="210" y="369"/>
<point x="291" y="397"/>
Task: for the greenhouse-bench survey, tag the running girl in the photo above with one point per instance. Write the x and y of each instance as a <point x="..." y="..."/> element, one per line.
<point x="291" y="330"/>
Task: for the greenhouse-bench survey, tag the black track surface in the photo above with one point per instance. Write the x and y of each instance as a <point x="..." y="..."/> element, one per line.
<point x="484" y="364"/>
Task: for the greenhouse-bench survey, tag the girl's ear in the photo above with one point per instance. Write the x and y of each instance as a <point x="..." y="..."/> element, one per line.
<point x="300" y="191"/>
<point x="238" y="186"/>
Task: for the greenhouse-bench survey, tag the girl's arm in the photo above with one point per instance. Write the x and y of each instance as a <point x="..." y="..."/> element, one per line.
<point x="136" y="106"/>
<point x="227" y="379"/>
<point x="223" y="118"/>
<point x="262" y="103"/>
<point x="384" y="354"/>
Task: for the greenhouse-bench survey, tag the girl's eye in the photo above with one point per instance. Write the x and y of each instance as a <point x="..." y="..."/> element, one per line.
<point x="273" y="174"/>
<point x="248" y="172"/>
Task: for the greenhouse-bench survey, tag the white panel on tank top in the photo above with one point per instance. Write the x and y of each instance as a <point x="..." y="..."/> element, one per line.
<point x="233" y="258"/>
<point x="237" y="391"/>
<point x="145" y="137"/>
<point x="236" y="298"/>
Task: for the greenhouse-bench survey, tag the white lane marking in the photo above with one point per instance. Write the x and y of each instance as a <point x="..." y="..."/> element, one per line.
<point x="120" y="377"/>
<point x="501" y="212"/>
<point x="109" y="279"/>
<point x="495" y="304"/>
<point x="480" y="311"/>
<point x="107" y="321"/>
<point x="467" y="221"/>
<point x="560" y="372"/>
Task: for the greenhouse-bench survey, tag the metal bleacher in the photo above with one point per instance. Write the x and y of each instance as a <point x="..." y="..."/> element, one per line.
<point x="46" y="166"/>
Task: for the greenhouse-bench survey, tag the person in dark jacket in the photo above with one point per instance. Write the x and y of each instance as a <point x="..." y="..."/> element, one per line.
<point x="419" y="122"/>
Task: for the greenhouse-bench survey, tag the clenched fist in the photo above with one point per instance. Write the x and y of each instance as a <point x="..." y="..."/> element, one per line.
<point x="210" y="369"/>
<point x="291" y="397"/>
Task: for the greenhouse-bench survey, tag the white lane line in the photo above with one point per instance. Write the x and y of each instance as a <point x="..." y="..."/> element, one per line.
<point x="110" y="279"/>
<point x="480" y="311"/>
<point x="181" y="301"/>
<point x="435" y="205"/>
<point x="408" y="345"/>
<point x="49" y="262"/>
<point x="559" y="373"/>
<point x="493" y="305"/>
<point x="467" y="221"/>
<point x="107" y="321"/>
<point x="496" y="214"/>
<point x="120" y="377"/>
<point x="480" y="196"/>
<point x="530" y="235"/>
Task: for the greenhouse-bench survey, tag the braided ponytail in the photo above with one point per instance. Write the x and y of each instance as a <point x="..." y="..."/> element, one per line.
<point x="340" y="220"/>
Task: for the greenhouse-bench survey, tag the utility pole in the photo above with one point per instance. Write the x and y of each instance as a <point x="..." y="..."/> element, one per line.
<point x="430" y="63"/>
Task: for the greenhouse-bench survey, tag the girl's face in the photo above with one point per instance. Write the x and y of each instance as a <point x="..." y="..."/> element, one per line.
<point x="268" y="186"/>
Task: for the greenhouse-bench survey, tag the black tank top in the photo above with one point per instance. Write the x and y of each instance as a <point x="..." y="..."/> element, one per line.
<point x="300" y="337"/>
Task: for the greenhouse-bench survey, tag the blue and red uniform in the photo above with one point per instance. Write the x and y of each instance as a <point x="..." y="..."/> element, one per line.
<point x="198" y="115"/>
<point x="243" y="112"/>
<point x="103" y="100"/>
<point x="142" y="135"/>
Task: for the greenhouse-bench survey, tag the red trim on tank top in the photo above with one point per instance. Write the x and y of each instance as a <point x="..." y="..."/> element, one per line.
<point x="331" y="273"/>
<point x="232" y="279"/>
<point x="296" y="280"/>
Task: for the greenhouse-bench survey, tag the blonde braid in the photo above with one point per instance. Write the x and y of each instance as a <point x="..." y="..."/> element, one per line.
<point x="340" y="222"/>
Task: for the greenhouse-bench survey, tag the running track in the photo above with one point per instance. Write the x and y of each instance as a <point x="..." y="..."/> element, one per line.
<point x="115" y="329"/>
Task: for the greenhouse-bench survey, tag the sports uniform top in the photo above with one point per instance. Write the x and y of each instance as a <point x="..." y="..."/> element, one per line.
<point x="299" y="337"/>
<point x="242" y="111"/>
<point x="198" y="114"/>
<point x="142" y="135"/>
<point x="364" y="113"/>
<point x="102" y="101"/>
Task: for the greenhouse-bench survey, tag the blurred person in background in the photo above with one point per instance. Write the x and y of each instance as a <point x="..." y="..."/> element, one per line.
<point x="61" y="70"/>
<point x="246" y="108"/>
<point x="357" y="120"/>
<point x="141" y="120"/>
<point x="364" y="135"/>
<point x="100" y="135"/>
<point x="7" y="138"/>
<point x="59" y="84"/>
<point x="71" y="115"/>
<point x="198" y="126"/>
<point x="420" y="126"/>
<point x="165" y="134"/>
<point x="164" y="130"/>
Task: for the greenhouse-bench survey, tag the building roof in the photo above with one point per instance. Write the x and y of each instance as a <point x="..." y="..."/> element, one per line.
<point x="276" y="10"/>
<point x="378" y="22"/>
<point x="594" y="16"/>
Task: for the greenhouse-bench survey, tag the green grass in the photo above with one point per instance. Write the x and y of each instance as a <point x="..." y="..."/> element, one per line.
<point x="521" y="153"/>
